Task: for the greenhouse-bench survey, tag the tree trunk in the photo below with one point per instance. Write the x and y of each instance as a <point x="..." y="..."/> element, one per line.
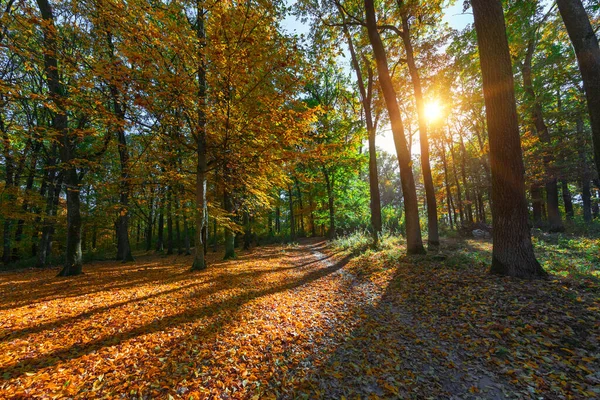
<point x="433" y="239"/>
<point x="73" y="256"/>
<point x="292" y="222"/>
<point x="25" y="206"/>
<point x="447" y="185"/>
<point x="160" y="243"/>
<point x="330" y="200"/>
<point x="414" y="243"/>
<point x="554" y="218"/>
<point x="247" y="231"/>
<point x="301" y="219"/>
<point x="229" y="236"/>
<point x="170" y="244"/>
<point x="366" y="99"/>
<point x="73" y="261"/>
<point x="8" y="188"/>
<point x="536" y="203"/>
<point x="200" y="138"/>
<point x="186" y="236"/>
<point x="586" y="46"/>
<point x="512" y="250"/>
<point x="567" y="199"/>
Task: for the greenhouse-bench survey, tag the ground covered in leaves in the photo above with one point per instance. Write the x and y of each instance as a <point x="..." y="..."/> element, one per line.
<point x="301" y="321"/>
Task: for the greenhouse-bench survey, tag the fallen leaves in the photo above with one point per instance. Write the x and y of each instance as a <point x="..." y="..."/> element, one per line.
<point x="278" y="323"/>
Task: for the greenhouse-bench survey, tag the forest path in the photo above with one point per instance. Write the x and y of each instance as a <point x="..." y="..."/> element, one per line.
<point x="278" y="322"/>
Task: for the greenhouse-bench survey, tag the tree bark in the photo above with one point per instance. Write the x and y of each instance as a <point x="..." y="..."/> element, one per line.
<point x="586" y="46"/>
<point x="414" y="242"/>
<point x="512" y="253"/>
<point x="433" y="239"/>
<point x="73" y="260"/>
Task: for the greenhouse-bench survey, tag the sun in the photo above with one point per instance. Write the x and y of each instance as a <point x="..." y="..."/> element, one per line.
<point x="433" y="111"/>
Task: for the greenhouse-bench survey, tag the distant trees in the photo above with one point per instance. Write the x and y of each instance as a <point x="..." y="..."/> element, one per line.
<point x="513" y="251"/>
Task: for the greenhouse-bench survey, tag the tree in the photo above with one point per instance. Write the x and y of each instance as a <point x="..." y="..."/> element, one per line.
<point x="512" y="250"/>
<point x="586" y="46"/>
<point x="414" y="243"/>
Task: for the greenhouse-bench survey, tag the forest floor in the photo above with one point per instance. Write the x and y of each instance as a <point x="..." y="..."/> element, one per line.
<point x="299" y="321"/>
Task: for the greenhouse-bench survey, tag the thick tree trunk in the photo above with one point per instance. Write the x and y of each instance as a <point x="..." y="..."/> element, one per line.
<point x="413" y="229"/>
<point x="587" y="50"/>
<point x="512" y="250"/>
<point x="330" y="202"/>
<point x="433" y="239"/>
<point x="73" y="257"/>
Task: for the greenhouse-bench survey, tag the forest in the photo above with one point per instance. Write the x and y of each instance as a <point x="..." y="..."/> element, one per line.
<point x="278" y="199"/>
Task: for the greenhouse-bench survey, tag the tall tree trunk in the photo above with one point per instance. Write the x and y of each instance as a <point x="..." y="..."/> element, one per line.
<point x="463" y="173"/>
<point x="586" y="46"/>
<point x="330" y="201"/>
<point x="433" y="239"/>
<point x="73" y="261"/>
<point x="567" y="199"/>
<point x="170" y="244"/>
<point x="584" y="172"/>
<point x="123" y="245"/>
<point x="25" y="207"/>
<point x="160" y="243"/>
<point x="150" y="225"/>
<point x="247" y="231"/>
<point x="73" y="256"/>
<point x="229" y="235"/>
<point x="200" y="138"/>
<point x="366" y="95"/>
<point x="536" y="203"/>
<point x="177" y="224"/>
<point x="461" y="210"/>
<point x="414" y="243"/>
<point x="8" y="188"/>
<point x="186" y="236"/>
<point x="301" y="215"/>
<point x="448" y="189"/>
<point x="512" y="250"/>
<point x="554" y="218"/>
<point x="292" y="220"/>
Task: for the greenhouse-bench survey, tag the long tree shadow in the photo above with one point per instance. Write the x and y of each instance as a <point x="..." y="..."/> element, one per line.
<point x="105" y="276"/>
<point x="439" y="332"/>
<point x="29" y="365"/>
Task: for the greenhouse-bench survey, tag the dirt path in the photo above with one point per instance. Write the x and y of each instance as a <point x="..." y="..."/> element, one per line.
<point x="278" y="322"/>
